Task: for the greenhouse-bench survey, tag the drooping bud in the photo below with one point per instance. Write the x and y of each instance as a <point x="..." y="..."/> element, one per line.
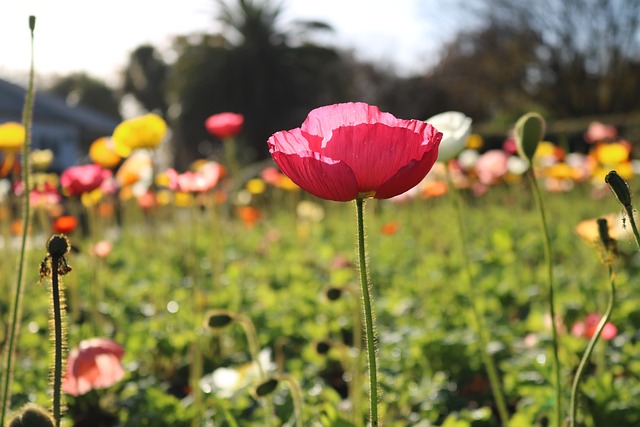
<point x="218" y="319"/>
<point x="619" y="187"/>
<point x="32" y="23"/>
<point x="266" y="388"/>
<point x="529" y="131"/>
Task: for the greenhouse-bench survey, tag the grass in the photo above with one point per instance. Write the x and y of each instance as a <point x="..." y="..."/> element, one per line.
<point x="277" y="272"/>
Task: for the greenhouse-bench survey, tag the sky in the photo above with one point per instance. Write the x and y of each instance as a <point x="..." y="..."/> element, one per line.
<point x="97" y="37"/>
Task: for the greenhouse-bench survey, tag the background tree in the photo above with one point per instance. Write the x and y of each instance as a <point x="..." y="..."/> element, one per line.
<point x="273" y="77"/>
<point x="82" y="89"/>
<point x="145" y="77"/>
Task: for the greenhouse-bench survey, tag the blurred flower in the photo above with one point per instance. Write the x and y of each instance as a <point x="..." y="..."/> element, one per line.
<point x="308" y="210"/>
<point x="41" y="159"/>
<point x="597" y="132"/>
<point x="510" y="146"/>
<point x="347" y="151"/>
<point x="44" y="195"/>
<point x="103" y="152"/>
<point x="588" y="228"/>
<point x="224" y="125"/>
<point x="256" y="186"/>
<point x="491" y="166"/>
<point x="64" y="224"/>
<point x="455" y="128"/>
<point x="136" y="172"/>
<point x="612" y="154"/>
<point x="80" y="179"/>
<point x="147" y="200"/>
<point x="145" y="131"/>
<point x="12" y="137"/>
<point x="587" y="328"/>
<point x="249" y="215"/>
<point x="474" y="142"/>
<point x="101" y="249"/>
<point x="225" y="382"/>
<point x="468" y="159"/>
<point x="195" y="182"/>
<point x="390" y="228"/>
<point x="94" y="364"/>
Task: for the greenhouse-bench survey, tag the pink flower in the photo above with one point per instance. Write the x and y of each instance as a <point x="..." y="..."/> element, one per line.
<point x="224" y="125"/>
<point x="95" y="364"/>
<point x="491" y="166"/>
<point x="587" y="328"/>
<point x="347" y="151"/>
<point x="599" y="132"/>
<point x="195" y="182"/>
<point x="81" y="179"/>
<point x="101" y="249"/>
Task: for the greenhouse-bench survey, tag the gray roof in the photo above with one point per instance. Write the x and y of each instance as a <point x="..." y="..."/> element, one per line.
<point x="48" y="108"/>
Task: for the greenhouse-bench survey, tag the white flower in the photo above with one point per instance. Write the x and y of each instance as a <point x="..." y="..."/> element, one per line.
<point x="225" y="382"/>
<point x="455" y="128"/>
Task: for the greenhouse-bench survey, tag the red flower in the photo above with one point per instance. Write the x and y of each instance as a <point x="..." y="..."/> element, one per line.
<point x="81" y="179"/>
<point x="95" y="364"/>
<point x="346" y="151"/>
<point x="64" y="224"/>
<point x="587" y="329"/>
<point x="224" y="125"/>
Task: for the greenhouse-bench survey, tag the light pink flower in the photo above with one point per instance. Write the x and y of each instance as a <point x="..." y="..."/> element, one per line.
<point x="599" y="132"/>
<point x="587" y="328"/>
<point x="491" y="166"/>
<point x="94" y="364"/>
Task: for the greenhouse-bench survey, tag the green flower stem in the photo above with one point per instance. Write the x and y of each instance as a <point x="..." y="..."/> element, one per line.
<point x="552" y="309"/>
<point x="477" y="312"/>
<point x="632" y="221"/>
<point x="230" y="156"/>
<point x="369" y="316"/>
<point x="58" y="342"/>
<point x="17" y="301"/>
<point x="252" y="340"/>
<point x="296" y="396"/>
<point x="591" y="346"/>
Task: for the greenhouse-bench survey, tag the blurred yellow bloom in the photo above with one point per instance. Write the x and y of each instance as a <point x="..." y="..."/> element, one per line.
<point x="625" y="170"/>
<point x="12" y="137"/>
<point x="91" y="198"/>
<point x="41" y="159"/>
<point x="164" y="197"/>
<point x="474" y="141"/>
<point x="183" y="199"/>
<point x="141" y="132"/>
<point x="546" y="149"/>
<point x="102" y="151"/>
<point x="286" y="184"/>
<point x="561" y="170"/>
<point x="256" y="186"/>
<point x="612" y="154"/>
<point x="162" y="180"/>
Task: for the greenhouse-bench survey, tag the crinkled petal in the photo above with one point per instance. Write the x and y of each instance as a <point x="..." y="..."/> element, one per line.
<point x="408" y="176"/>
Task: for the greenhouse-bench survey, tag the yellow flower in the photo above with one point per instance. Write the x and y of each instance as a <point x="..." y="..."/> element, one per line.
<point x="286" y="184"/>
<point x="41" y="159"/>
<point x="256" y="186"/>
<point x="141" y="132"/>
<point x="12" y="136"/>
<point x="561" y="171"/>
<point x="612" y="154"/>
<point x="102" y="151"/>
<point x="183" y="200"/>
<point x="474" y="141"/>
<point x="546" y="149"/>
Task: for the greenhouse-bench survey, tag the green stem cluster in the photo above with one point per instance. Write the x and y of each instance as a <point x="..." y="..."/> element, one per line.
<point x="17" y="302"/>
<point x="369" y="316"/>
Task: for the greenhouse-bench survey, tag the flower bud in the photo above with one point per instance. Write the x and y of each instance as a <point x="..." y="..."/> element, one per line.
<point x="333" y="293"/>
<point x="31" y="415"/>
<point x="323" y="347"/>
<point x="529" y="131"/>
<point x="218" y="319"/>
<point x="58" y="246"/>
<point x="266" y="388"/>
<point x="619" y="187"/>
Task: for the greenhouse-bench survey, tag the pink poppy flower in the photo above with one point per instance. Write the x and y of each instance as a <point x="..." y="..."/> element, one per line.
<point x="491" y="166"/>
<point x="94" y="364"/>
<point x="353" y="150"/>
<point x="599" y="132"/>
<point x="224" y="125"/>
<point x="81" y="179"/>
<point x="195" y="182"/>
<point x="101" y="249"/>
<point x="587" y="328"/>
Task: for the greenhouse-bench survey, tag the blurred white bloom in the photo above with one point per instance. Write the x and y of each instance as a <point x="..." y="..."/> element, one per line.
<point x="468" y="159"/>
<point x="455" y="128"/>
<point x="5" y="187"/>
<point x="308" y="210"/>
<point x="517" y="165"/>
<point x="225" y="382"/>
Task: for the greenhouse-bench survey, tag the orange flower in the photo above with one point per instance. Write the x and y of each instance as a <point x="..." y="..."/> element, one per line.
<point x="65" y="224"/>
<point x="431" y="189"/>
<point x="390" y="228"/>
<point x="249" y="215"/>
